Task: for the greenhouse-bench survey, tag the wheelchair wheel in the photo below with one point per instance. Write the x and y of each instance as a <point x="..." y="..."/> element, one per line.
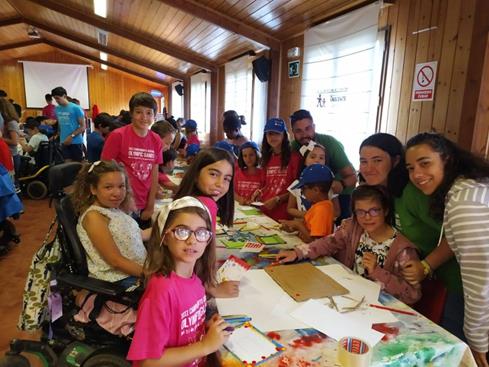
<point x="107" y="360"/>
<point x="36" y="190"/>
<point x="14" y="361"/>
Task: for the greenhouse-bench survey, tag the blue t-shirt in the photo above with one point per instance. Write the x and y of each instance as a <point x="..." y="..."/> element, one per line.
<point x="68" y="121"/>
<point x="95" y="144"/>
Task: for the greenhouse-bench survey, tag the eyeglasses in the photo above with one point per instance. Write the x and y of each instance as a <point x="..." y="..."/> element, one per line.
<point x="373" y="212"/>
<point x="183" y="233"/>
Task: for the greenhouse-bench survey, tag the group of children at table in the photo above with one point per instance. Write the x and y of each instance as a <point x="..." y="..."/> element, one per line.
<point x="178" y="262"/>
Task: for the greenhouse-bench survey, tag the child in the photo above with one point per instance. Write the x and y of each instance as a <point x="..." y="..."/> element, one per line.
<point x="297" y="204"/>
<point x="96" y="139"/>
<point x="36" y="137"/>
<point x="281" y="167"/>
<point x="315" y="183"/>
<point x="248" y="177"/>
<point x="191" y="132"/>
<point x="368" y="244"/>
<point x="232" y="128"/>
<point x="210" y="179"/>
<point x="164" y="170"/>
<point x="140" y="151"/>
<point x="166" y="132"/>
<point x="111" y="238"/>
<point x="170" y="327"/>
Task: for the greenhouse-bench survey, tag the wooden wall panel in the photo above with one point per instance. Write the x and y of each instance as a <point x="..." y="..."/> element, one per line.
<point x="110" y="90"/>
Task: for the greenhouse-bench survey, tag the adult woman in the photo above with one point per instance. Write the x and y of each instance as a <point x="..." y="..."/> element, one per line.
<point x="456" y="183"/>
<point x="382" y="163"/>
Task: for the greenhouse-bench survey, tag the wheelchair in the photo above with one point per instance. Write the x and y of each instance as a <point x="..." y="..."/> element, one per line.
<point x="33" y="178"/>
<point x="65" y="342"/>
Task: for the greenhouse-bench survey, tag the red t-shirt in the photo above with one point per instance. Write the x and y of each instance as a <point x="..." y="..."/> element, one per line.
<point x="277" y="180"/>
<point x="138" y="155"/>
<point x="163" y="178"/>
<point x="246" y="184"/>
<point x="49" y="111"/>
<point x="193" y="139"/>
<point x="6" y="156"/>
<point x="171" y="313"/>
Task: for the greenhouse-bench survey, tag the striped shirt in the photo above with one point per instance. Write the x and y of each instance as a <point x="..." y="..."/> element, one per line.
<point x="466" y="224"/>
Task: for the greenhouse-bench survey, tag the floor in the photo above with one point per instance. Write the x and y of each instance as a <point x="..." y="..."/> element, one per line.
<point x="32" y="226"/>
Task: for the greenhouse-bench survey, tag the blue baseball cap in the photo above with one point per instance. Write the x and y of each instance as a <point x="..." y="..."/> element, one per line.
<point x="191" y="124"/>
<point x="225" y="145"/>
<point x="313" y="174"/>
<point x="275" y="124"/>
<point x="192" y="149"/>
<point x="249" y="144"/>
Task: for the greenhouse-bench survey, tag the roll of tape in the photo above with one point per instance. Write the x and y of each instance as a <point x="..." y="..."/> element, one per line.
<point x="353" y="352"/>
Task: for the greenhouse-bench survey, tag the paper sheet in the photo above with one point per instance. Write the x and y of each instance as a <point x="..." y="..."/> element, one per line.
<point x="249" y="345"/>
<point x="264" y="301"/>
<point x="335" y="325"/>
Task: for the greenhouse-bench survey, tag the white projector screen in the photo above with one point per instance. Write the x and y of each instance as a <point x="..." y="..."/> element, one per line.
<point x="41" y="77"/>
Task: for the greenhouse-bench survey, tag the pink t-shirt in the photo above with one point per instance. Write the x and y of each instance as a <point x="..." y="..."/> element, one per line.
<point x="277" y="180"/>
<point x="212" y="207"/>
<point x="49" y="111"/>
<point x="163" y="178"/>
<point x="171" y="313"/>
<point x="138" y="155"/>
<point x="246" y="184"/>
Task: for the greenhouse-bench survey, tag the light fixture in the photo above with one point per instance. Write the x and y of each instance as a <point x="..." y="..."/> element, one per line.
<point x="103" y="56"/>
<point x="104" y="67"/>
<point x="100" y="8"/>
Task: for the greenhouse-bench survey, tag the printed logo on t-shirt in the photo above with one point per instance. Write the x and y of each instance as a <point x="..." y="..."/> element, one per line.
<point x="278" y="178"/>
<point x="142" y="162"/>
<point x="193" y="318"/>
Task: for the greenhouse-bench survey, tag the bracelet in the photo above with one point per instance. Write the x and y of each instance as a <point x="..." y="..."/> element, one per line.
<point x="426" y="267"/>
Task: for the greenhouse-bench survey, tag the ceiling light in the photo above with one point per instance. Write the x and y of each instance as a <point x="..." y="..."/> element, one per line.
<point x="103" y="56"/>
<point x="100" y="8"/>
<point x="103" y="67"/>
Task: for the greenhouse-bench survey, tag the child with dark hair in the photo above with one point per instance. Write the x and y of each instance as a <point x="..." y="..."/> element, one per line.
<point x="140" y="151"/>
<point x="166" y="132"/>
<point x="35" y="138"/>
<point x="281" y="167"/>
<point x="368" y="244"/>
<point x="50" y="109"/>
<point x="248" y="177"/>
<point x="232" y="128"/>
<point x="315" y="183"/>
<point x="164" y="170"/>
<point x="457" y="182"/>
<point x="96" y="139"/>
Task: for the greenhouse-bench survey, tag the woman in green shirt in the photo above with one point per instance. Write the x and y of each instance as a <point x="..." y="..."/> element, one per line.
<point x="382" y="163"/>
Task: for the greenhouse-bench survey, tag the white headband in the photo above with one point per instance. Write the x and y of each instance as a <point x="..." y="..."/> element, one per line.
<point x="185" y="202"/>
<point x="309" y="147"/>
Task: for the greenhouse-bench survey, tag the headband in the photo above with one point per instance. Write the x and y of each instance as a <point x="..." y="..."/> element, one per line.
<point x="308" y="148"/>
<point x="185" y="202"/>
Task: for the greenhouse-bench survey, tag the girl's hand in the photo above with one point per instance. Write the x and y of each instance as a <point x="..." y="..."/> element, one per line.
<point x="216" y="336"/>
<point x="287" y="225"/>
<point x="413" y="272"/>
<point x="227" y="289"/>
<point x="146" y="214"/>
<point x="255" y="196"/>
<point x="480" y="358"/>
<point x="286" y="256"/>
<point x="369" y="262"/>
<point x="270" y="203"/>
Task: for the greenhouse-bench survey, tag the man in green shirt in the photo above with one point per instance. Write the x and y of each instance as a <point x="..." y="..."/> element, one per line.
<point x="304" y="131"/>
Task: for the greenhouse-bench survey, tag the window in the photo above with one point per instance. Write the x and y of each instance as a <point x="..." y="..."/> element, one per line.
<point x="245" y="94"/>
<point x="200" y="101"/>
<point x="176" y="101"/>
<point x="341" y="80"/>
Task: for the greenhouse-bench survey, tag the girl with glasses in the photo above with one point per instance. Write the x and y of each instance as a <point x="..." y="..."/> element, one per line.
<point x="170" y="326"/>
<point x="367" y="243"/>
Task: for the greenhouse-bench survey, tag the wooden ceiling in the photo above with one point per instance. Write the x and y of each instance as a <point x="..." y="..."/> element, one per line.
<point x="160" y="40"/>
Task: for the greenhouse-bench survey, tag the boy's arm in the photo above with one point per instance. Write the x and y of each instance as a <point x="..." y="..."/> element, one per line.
<point x="150" y="204"/>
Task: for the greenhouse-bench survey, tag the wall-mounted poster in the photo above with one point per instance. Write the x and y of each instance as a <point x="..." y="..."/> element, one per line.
<point x="294" y="69"/>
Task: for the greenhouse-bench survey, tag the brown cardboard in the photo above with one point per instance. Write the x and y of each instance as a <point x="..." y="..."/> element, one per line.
<point x="304" y="281"/>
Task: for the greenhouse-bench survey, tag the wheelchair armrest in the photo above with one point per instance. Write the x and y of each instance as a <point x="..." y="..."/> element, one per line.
<point x="90" y="284"/>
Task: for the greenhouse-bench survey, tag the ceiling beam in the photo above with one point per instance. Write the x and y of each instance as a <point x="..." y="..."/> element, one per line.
<point x="20" y="44"/>
<point x="224" y="21"/>
<point x="96" y="59"/>
<point x="155" y="43"/>
<point x="109" y="50"/>
<point x="10" y="21"/>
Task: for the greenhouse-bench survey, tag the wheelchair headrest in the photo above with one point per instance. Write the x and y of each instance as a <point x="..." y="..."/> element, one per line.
<point x="62" y="175"/>
<point x="68" y="220"/>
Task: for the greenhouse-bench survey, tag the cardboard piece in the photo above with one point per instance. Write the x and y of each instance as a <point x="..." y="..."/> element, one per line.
<point x="304" y="281"/>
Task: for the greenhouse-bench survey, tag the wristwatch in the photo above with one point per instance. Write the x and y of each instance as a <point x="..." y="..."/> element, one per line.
<point x="73" y="135"/>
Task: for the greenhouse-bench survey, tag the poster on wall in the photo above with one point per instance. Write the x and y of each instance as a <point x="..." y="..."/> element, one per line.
<point x="294" y="69"/>
<point x="424" y="81"/>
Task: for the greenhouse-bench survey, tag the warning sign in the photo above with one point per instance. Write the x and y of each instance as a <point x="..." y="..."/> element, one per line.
<point x="424" y="81"/>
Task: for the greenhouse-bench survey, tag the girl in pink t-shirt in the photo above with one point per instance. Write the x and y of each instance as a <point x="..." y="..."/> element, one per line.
<point x="170" y="327"/>
<point x="210" y="179"/>
<point x="248" y="177"/>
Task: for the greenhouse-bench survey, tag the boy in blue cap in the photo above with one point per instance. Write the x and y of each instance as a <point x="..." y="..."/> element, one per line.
<point x="315" y="182"/>
<point x="191" y="132"/>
